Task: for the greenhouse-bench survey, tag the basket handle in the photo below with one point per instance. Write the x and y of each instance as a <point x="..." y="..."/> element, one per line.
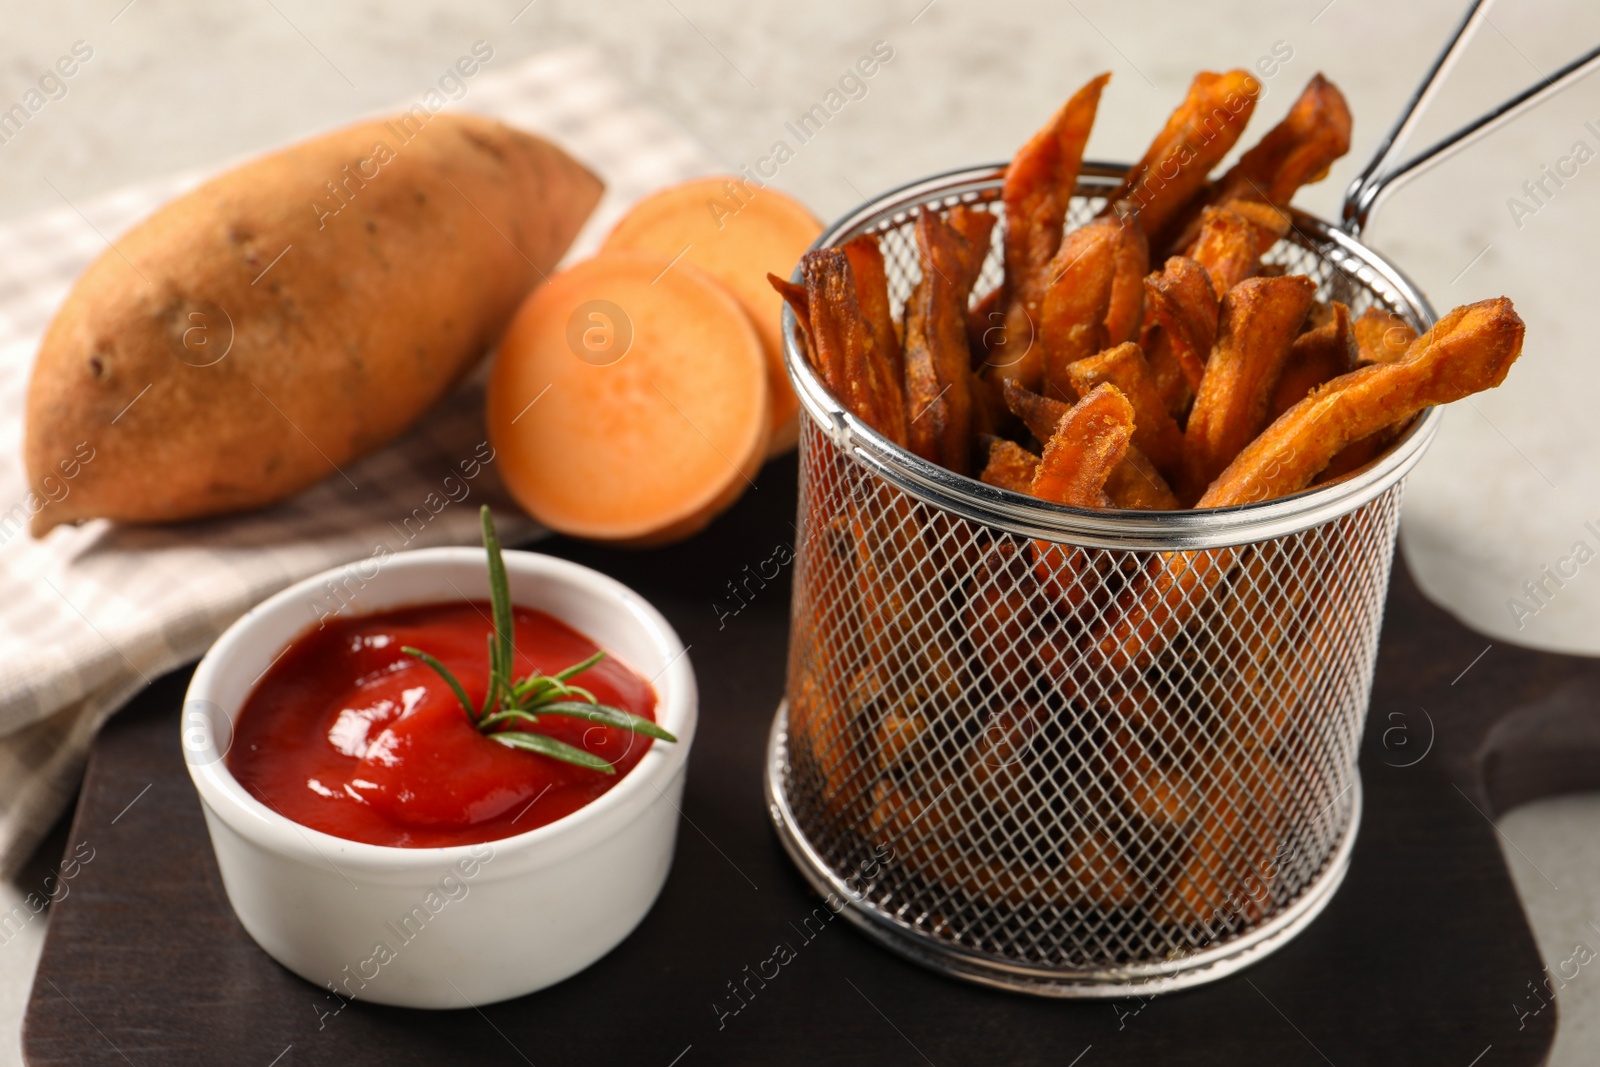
<point x="1379" y="178"/>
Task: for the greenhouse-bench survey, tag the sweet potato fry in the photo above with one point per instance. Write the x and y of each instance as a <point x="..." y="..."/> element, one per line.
<point x="1197" y="135"/>
<point x="903" y="608"/>
<point x="942" y="829"/>
<point x="821" y="735"/>
<point x="1087" y="868"/>
<point x="1228" y="247"/>
<point x="1010" y="467"/>
<point x="1089" y="443"/>
<point x="1255" y="641"/>
<point x="1233" y="850"/>
<point x="847" y="345"/>
<point x="825" y="273"/>
<point x="1467" y="351"/>
<point x="1038" y="187"/>
<point x="1134" y="483"/>
<point x="1158" y="793"/>
<point x="872" y="293"/>
<point x="884" y="365"/>
<point x="1132" y="263"/>
<point x="819" y="721"/>
<point x="1153" y="429"/>
<point x="1000" y="614"/>
<point x="938" y="362"/>
<point x="1269" y="222"/>
<point x="1357" y="454"/>
<point x="1180" y="330"/>
<point x="988" y="407"/>
<point x="986" y="325"/>
<point x="1258" y="323"/>
<point x="1297" y="151"/>
<point x="1316" y="356"/>
<point x="1039" y="414"/>
<point x="1381" y="337"/>
<point x="976" y="227"/>
<point x="1073" y="315"/>
<point x="795" y="296"/>
<point x="1132" y="703"/>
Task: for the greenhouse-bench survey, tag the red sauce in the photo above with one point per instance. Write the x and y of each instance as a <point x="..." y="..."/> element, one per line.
<point x="348" y="735"/>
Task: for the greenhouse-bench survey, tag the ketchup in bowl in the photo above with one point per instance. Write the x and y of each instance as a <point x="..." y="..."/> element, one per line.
<point x="348" y="734"/>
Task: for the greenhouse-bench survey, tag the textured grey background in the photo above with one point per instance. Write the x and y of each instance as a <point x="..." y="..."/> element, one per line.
<point x="173" y="86"/>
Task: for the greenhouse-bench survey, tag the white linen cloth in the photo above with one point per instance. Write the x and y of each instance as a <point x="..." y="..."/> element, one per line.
<point x="91" y="614"/>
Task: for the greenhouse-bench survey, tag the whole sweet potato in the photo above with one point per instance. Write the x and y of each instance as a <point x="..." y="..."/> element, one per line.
<point x="254" y="335"/>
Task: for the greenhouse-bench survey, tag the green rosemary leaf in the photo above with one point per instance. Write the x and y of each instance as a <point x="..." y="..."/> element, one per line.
<point x="549" y="746"/>
<point x="533" y="686"/>
<point x="500" y="598"/>
<point x="444" y="672"/>
<point x="495" y="670"/>
<point x="509" y="715"/>
<point x="609" y="716"/>
<point x="491" y="698"/>
<point x="573" y="691"/>
<point x="579" y="668"/>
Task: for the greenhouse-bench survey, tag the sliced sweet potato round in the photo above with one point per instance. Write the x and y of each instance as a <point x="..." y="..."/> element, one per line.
<point x="736" y="233"/>
<point x="628" y="402"/>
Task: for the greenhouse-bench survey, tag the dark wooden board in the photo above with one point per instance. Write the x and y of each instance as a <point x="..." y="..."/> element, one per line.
<point x="1424" y="956"/>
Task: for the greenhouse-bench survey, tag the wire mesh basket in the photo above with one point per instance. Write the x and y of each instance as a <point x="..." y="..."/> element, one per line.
<point x="990" y="800"/>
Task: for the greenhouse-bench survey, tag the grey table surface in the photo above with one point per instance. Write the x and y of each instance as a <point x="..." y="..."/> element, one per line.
<point x="174" y="86"/>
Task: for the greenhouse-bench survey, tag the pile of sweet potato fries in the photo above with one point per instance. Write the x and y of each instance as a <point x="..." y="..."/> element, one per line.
<point x="1199" y="376"/>
<point x="1214" y="380"/>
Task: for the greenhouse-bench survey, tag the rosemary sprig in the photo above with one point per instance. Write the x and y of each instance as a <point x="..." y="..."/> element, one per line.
<point x="521" y="702"/>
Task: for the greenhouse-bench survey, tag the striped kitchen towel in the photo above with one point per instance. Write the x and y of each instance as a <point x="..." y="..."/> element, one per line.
<point x="91" y="614"/>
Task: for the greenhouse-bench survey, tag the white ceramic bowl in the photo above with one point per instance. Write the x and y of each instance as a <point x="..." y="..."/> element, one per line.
<point x="464" y="925"/>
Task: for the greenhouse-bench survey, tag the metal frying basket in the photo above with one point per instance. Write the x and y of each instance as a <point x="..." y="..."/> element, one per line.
<point x="990" y="807"/>
<point x="988" y="801"/>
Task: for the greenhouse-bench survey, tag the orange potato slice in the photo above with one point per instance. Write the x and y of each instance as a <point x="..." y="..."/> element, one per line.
<point x="657" y="406"/>
<point x="736" y="234"/>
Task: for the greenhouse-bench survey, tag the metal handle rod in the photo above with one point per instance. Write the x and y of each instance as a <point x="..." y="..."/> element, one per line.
<point x="1376" y="182"/>
<point x="1412" y="113"/>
